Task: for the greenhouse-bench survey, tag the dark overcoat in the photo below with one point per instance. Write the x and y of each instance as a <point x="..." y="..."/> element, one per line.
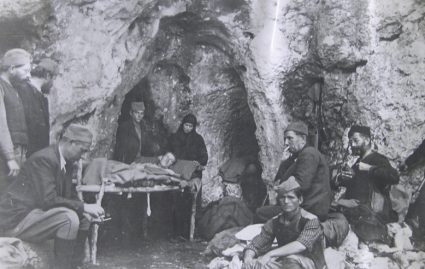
<point x="40" y="184"/>
<point x="127" y="142"/>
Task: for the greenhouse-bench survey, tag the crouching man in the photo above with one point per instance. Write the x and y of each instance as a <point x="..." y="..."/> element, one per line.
<point x="298" y="235"/>
<point x="41" y="204"/>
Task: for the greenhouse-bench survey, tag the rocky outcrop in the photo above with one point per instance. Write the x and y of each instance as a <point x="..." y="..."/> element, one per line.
<point x="245" y="68"/>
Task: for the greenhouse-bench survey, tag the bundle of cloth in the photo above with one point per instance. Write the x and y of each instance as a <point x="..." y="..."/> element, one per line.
<point x="146" y="172"/>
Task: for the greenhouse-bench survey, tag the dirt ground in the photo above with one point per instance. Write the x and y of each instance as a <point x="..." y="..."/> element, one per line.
<point x="156" y="250"/>
<point x="160" y="254"/>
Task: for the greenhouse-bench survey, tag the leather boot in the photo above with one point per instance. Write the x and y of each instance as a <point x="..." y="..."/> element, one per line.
<point x="79" y="249"/>
<point x="63" y="253"/>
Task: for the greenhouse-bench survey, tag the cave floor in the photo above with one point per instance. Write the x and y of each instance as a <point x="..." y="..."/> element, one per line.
<point x="160" y="253"/>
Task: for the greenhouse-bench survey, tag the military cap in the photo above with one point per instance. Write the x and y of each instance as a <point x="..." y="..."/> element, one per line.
<point x="137" y="106"/>
<point x="297" y="126"/>
<point x="288" y="185"/>
<point x="359" y="129"/>
<point x="16" y="57"/>
<point x="77" y="132"/>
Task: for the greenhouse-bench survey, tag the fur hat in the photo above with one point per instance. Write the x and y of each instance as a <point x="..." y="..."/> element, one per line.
<point x="15" y="57"/>
<point x="79" y="133"/>
<point x="297" y="126"/>
<point x="359" y="129"/>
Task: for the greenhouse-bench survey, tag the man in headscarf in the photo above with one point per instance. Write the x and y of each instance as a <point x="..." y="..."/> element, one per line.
<point x="15" y="66"/>
<point x="41" y="203"/>
<point x="298" y="233"/>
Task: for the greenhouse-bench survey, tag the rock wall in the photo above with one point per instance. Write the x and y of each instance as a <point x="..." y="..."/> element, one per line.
<point x="244" y="67"/>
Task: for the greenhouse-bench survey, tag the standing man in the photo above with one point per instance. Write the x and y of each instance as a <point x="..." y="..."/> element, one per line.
<point x="15" y="66"/>
<point x="41" y="203"/>
<point x="128" y="144"/>
<point x="298" y="233"/>
<point x="36" y="105"/>
<point x="309" y="168"/>
<point x="371" y="180"/>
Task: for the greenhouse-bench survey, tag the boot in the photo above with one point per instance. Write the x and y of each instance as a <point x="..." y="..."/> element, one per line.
<point x="63" y="253"/>
<point x="79" y="249"/>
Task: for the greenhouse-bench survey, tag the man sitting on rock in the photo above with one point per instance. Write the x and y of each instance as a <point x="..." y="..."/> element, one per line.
<point x="309" y="168"/>
<point x="367" y="203"/>
<point x="298" y="233"/>
<point x="41" y="203"/>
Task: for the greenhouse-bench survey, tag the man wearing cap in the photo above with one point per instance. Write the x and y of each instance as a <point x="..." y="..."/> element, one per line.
<point x="309" y="168"/>
<point x="35" y="104"/>
<point x="128" y="145"/>
<point x="298" y="234"/>
<point x="371" y="179"/>
<point x="15" y="66"/>
<point x="41" y="203"/>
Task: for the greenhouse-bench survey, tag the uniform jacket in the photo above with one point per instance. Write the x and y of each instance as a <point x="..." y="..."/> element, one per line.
<point x="311" y="170"/>
<point x="127" y="143"/>
<point x="40" y="184"/>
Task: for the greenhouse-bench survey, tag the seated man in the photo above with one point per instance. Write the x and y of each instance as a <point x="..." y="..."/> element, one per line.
<point x="41" y="203"/>
<point x="368" y="186"/>
<point x="309" y="168"/>
<point x="298" y="235"/>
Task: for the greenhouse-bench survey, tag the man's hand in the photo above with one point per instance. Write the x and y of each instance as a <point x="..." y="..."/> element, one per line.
<point x="264" y="259"/>
<point x="13" y="168"/>
<point x="349" y="203"/>
<point x="364" y="166"/>
<point x="183" y="184"/>
<point x="94" y="210"/>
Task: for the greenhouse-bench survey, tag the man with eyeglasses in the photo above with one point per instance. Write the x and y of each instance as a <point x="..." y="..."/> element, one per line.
<point x="15" y="66"/>
<point x="41" y="203"/>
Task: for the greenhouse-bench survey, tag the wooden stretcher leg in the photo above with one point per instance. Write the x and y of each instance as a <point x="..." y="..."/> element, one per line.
<point x="193" y="214"/>
<point x="95" y="228"/>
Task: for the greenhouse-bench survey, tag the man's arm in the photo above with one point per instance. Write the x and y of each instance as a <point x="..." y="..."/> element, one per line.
<point x="6" y="145"/>
<point x="381" y="171"/>
<point x="261" y="243"/>
<point x="43" y="175"/>
<point x="305" y="241"/>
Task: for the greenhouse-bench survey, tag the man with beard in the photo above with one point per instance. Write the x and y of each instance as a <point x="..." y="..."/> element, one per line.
<point x="367" y="195"/>
<point x="35" y="104"/>
<point x="41" y="203"/>
<point x="15" y="66"/>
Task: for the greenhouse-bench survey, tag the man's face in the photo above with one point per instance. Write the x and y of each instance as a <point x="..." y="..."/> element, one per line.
<point x="187" y="127"/>
<point x="77" y="149"/>
<point x="167" y="160"/>
<point x="359" y="144"/>
<point x="289" y="202"/>
<point x="137" y="115"/>
<point x="20" y="72"/>
<point x="294" y="142"/>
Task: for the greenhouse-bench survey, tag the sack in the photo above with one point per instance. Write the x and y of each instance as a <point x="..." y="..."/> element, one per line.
<point x="367" y="225"/>
<point x="227" y="213"/>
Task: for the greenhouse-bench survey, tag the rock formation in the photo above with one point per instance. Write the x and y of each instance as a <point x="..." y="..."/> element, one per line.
<point x="244" y="67"/>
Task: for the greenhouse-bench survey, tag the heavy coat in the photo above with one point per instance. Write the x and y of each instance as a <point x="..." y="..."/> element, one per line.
<point x="311" y="170"/>
<point x="189" y="146"/>
<point x="40" y="184"/>
<point x="127" y="142"/>
<point x="36" y="115"/>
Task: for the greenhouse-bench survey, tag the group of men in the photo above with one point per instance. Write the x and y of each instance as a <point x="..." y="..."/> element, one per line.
<point x="304" y="196"/>
<point x="38" y="201"/>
